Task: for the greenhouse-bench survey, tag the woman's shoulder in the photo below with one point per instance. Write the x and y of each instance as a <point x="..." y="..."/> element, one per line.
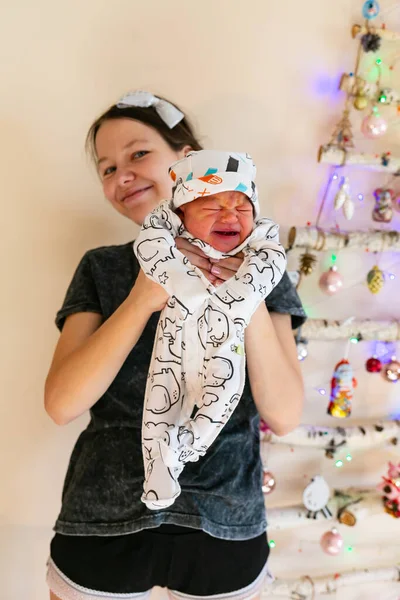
<point x="113" y="252"/>
<point x="110" y="259"/>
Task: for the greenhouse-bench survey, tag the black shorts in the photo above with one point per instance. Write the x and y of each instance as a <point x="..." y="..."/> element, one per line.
<point x="182" y="559"/>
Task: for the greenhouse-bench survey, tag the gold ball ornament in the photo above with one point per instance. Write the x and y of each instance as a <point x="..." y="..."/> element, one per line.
<point x="375" y="280"/>
<point x="360" y="102"/>
<point x="391" y="371"/>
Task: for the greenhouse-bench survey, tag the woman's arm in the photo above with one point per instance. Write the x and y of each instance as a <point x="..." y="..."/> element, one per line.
<point x="89" y="354"/>
<point x="274" y="370"/>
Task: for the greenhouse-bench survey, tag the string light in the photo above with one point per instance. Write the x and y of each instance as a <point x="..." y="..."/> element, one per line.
<point x="349" y="548"/>
<point x="339" y="463"/>
<point x="349" y="457"/>
<point x="378" y="61"/>
<point x="334" y="176"/>
<point x="272" y="544"/>
<point x="322" y="391"/>
<point x="392" y="276"/>
<point x="333" y="257"/>
<point x="360" y="197"/>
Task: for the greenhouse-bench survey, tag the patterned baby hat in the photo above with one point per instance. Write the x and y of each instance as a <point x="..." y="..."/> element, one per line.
<point x="206" y="172"/>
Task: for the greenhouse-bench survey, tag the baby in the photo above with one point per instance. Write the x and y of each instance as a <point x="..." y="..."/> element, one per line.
<point x="197" y="371"/>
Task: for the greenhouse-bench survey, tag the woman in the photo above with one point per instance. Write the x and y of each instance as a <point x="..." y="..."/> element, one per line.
<point x="107" y="542"/>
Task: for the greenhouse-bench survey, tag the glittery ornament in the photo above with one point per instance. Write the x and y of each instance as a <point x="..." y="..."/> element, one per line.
<point x="370" y="9"/>
<point x="332" y="542"/>
<point x="268" y="482"/>
<point x="360" y="102"/>
<point x="302" y="351"/>
<point x="383" y="209"/>
<point x="331" y="281"/>
<point x="373" y="126"/>
<point x="391" y="371"/>
<point x="375" y="279"/>
<point x="373" y="365"/>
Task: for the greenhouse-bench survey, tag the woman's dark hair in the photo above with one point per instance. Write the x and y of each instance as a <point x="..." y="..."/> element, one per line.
<point x="177" y="138"/>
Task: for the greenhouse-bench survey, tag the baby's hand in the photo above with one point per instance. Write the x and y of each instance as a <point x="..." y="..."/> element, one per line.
<point x="226" y="268"/>
<point x="216" y="271"/>
<point x="196" y="257"/>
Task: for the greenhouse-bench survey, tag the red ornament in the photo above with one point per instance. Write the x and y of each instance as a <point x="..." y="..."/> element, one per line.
<point x="373" y="365"/>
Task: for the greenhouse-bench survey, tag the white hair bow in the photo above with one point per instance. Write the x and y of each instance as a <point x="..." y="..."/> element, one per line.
<point x="167" y="111"/>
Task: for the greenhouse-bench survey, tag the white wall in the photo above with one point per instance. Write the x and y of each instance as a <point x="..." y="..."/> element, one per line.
<point x="258" y="76"/>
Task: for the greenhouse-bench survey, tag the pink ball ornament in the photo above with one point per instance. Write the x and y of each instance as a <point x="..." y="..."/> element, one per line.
<point x="332" y="542"/>
<point x="373" y="126"/>
<point x="331" y="281"/>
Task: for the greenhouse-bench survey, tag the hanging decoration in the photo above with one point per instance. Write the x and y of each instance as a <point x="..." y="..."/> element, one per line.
<point x="331" y="281"/>
<point x="342" y="136"/>
<point x="301" y="345"/>
<point x="373" y="365"/>
<point x="342" y="386"/>
<point x="269" y="482"/>
<point x="391" y="371"/>
<point x="316" y="497"/>
<point x="307" y="263"/>
<point x="332" y="542"/>
<point x="343" y="199"/>
<point x="383" y="209"/>
<point x="371" y="42"/>
<point x="375" y="280"/>
<point x="370" y="9"/>
<point x="390" y="488"/>
<point x="373" y="126"/>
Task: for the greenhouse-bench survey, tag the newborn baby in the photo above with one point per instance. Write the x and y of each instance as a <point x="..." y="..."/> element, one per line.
<point x="223" y="220"/>
<point x="197" y="371"/>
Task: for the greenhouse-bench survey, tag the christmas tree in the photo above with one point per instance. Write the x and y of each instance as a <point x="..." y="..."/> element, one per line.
<point x="349" y="508"/>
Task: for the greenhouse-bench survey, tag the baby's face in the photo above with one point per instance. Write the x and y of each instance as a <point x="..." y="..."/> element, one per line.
<point x="222" y="220"/>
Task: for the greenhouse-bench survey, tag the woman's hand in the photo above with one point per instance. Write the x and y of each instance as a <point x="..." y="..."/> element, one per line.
<point x="149" y="293"/>
<point x="216" y="271"/>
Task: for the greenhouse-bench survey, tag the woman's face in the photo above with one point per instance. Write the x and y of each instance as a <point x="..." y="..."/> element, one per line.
<point x="133" y="162"/>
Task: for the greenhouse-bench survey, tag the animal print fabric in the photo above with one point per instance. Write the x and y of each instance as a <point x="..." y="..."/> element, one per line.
<point x="197" y="371"/>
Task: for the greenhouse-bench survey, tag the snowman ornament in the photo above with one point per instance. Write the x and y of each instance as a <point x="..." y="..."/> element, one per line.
<point x="316" y="497"/>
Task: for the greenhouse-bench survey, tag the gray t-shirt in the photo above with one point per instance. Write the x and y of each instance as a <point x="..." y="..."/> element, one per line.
<point x="221" y="493"/>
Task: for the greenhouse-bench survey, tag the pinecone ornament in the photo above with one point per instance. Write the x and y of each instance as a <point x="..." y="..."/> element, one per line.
<point x="375" y="279"/>
<point x="371" y="42"/>
<point x="307" y="263"/>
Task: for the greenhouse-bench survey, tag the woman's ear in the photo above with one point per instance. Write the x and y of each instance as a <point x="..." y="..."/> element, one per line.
<point x="185" y="151"/>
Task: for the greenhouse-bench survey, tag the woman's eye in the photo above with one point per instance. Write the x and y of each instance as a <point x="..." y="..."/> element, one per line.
<point x="108" y="171"/>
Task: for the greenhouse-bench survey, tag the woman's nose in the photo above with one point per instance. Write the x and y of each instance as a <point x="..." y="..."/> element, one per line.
<point x="126" y="176"/>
